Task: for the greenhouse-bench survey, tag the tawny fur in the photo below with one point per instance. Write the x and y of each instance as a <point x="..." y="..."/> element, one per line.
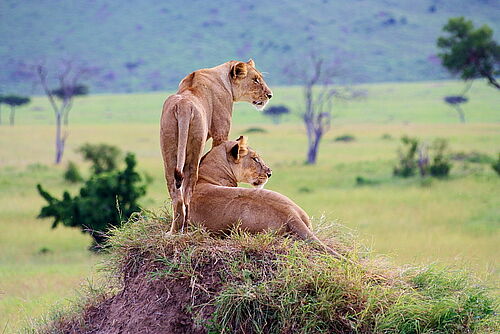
<point x="202" y="109"/>
<point x="219" y="205"/>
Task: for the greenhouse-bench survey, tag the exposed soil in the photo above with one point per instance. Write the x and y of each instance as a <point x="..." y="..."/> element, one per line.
<point x="149" y="304"/>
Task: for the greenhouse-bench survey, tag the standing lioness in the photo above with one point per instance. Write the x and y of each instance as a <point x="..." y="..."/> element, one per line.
<point x="218" y="204"/>
<point x="202" y="109"/>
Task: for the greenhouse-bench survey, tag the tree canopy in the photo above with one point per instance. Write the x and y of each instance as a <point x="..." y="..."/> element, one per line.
<point x="69" y="91"/>
<point x="15" y="100"/>
<point x="472" y="53"/>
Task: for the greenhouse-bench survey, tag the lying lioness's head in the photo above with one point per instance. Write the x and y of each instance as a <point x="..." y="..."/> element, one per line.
<point x="249" y="85"/>
<point x="246" y="164"/>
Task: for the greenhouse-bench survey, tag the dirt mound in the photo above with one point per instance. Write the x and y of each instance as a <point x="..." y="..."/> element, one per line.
<point x="194" y="283"/>
<point x="148" y="305"/>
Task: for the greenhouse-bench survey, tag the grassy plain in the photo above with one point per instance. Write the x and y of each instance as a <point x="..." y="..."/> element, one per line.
<point x="454" y="220"/>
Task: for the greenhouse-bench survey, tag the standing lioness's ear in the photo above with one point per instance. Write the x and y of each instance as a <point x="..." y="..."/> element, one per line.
<point x="239" y="70"/>
<point x="251" y="63"/>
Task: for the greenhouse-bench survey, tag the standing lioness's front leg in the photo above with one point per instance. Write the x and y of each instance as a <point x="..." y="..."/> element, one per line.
<point x="219" y="131"/>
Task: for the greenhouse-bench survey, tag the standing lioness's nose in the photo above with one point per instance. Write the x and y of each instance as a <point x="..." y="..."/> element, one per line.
<point x="269" y="95"/>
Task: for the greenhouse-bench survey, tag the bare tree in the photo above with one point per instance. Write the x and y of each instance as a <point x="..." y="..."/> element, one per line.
<point x="317" y="79"/>
<point x="69" y="87"/>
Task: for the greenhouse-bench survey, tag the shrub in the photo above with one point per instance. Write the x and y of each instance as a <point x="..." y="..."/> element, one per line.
<point x="415" y="155"/>
<point x="363" y="181"/>
<point x="386" y="136"/>
<point x="276" y="112"/>
<point x="104" y="157"/>
<point x="473" y="156"/>
<point x="72" y="173"/>
<point x="496" y="165"/>
<point x="407" y="161"/>
<point x="345" y="138"/>
<point x="255" y="130"/>
<point x="441" y="165"/>
<point x="103" y="201"/>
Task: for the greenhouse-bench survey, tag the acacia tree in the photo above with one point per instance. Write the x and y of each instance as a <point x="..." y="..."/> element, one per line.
<point x="14" y="101"/>
<point x="69" y="87"/>
<point x="455" y="101"/>
<point x="470" y="52"/>
<point x="316" y="77"/>
<point x="275" y="112"/>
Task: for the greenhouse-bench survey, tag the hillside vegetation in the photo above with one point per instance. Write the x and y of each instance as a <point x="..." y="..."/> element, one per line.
<point x="151" y="45"/>
<point x="193" y="283"/>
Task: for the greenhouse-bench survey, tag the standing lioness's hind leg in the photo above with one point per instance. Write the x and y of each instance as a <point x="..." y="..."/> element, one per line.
<point x="191" y="168"/>
<point x="179" y="217"/>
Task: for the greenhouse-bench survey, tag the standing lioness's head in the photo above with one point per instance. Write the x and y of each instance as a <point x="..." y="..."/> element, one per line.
<point x="248" y="84"/>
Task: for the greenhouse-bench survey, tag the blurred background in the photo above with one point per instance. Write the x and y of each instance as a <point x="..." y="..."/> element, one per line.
<point x="404" y="124"/>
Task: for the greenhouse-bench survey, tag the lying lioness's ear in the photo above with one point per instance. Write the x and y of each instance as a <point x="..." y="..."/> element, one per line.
<point x="243" y="150"/>
<point x="239" y="70"/>
<point x="242" y="140"/>
<point x="251" y="62"/>
<point x="235" y="152"/>
<point x="240" y="149"/>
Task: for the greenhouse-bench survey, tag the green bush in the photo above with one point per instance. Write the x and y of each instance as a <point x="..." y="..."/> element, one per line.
<point x="103" y="202"/>
<point x="386" y="136"/>
<point x="104" y="157"/>
<point x="407" y="158"/>
<point x="496" y="165"/>
<point x="363" y="181"/>
<point x="255" y="130"/>
<point x="72" y="173"/>
<point x="441" y="164"/>
<point x="345" y="138"/>
<point x="414" y="155"/>
<point x="474" y="157"/>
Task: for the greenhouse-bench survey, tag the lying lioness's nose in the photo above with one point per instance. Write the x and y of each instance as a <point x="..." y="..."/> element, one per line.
<point x="269" y="173"/>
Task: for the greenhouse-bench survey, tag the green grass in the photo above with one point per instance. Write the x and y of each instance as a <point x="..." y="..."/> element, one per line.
<point x="454" y="221"/>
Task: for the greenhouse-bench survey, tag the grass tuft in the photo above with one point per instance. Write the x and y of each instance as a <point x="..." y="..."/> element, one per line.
<point x="265" y="283"/>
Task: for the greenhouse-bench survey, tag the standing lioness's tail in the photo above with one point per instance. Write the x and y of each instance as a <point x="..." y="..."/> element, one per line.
<point x="183" y="129"/>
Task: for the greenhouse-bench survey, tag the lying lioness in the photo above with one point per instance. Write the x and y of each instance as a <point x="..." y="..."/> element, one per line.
<point x="202" y="109"/>
<point x="218" y="204"/>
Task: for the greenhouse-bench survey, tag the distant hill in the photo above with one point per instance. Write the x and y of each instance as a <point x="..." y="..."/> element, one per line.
<point x="150" y="45"/>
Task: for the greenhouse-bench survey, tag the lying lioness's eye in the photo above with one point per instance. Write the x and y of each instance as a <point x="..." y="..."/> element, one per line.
<point x="256" y="159"/>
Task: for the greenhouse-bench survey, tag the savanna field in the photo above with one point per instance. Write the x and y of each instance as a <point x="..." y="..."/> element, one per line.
<point x="454" y="221"/>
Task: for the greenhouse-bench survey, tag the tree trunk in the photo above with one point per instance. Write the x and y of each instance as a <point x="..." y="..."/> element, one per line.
<point x="461" y="114"/>
<point x="312" y="151"/>
<point x="492" y="81"/>
<point x="12" y="114"/>
<point x="66" y="115"/>
<point x="59" y="139"/>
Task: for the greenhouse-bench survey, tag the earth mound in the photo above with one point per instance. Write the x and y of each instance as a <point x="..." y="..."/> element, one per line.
<point x="196" y="283"/>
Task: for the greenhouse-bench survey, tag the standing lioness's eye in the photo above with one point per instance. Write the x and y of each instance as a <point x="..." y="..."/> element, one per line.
<point x="256" y="80"/>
